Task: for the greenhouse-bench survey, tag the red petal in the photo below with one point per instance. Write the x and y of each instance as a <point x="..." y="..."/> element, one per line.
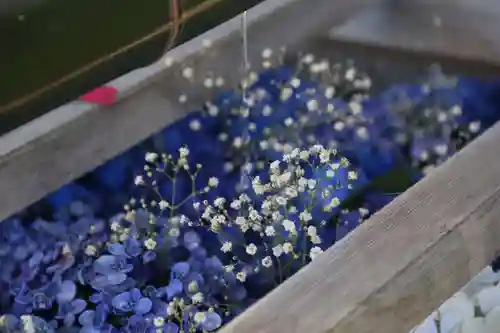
<point x="104" y="95"/>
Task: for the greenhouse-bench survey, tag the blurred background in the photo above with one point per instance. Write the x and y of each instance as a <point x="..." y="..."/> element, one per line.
<point x="56" y="50"/>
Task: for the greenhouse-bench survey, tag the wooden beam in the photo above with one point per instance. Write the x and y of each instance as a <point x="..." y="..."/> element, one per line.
<point x="401" y="264"/>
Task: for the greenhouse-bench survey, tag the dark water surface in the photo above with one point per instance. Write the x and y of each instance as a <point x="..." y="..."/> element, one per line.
<point x="43" y="40"/>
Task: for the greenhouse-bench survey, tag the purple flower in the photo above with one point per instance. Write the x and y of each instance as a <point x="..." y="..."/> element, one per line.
<point x="67" y="292"/>
<point x="170" y="328"/>
<point x="111" y="270"/>
<point x="94" y="321"/>
<point x="174" y="288"/>
<point x="191" y="240"/>
<point x="132" y="301"/>
<point x="208" y="321"/>
<point x="138" y="324"/>
<point x="69" y="310"/>
<point x="131" y="248"/>
<point x="180" y="270"/>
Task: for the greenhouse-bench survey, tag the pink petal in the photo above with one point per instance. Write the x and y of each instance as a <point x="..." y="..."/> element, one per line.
<point x="104" y="95"/>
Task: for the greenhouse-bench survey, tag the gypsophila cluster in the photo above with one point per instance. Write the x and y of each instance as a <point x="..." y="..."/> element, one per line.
<point x="280" y="220"/>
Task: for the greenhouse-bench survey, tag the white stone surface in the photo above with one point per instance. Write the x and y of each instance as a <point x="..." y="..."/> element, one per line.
<point x="473" y="309"/>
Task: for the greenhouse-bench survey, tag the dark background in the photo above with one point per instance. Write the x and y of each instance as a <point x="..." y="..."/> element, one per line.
<point x="44" y="40"/>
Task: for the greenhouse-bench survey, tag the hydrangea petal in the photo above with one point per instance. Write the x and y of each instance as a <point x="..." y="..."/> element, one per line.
<point x="212" y="321"/>
<point x="143" y="306"/>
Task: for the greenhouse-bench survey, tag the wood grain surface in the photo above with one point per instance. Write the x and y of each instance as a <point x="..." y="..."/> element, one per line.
<point x="463" y="29"/>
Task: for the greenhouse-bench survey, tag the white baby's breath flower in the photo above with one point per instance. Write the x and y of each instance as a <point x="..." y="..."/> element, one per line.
<point x="183" y="98"/>
<point x="442" y="117"/>
<point x="213" y="182"/>
<point x="151" y="157"/>
<point x="352" y="175"/>
<point x="330" y="92"/>
<point x="267" y="110"/>
<point x="237" y="142"/>
<point x="91" y="250"/>
<point x="312" y="105"/>
<point x="304" y="155"/>
<point x="312" y="231"/>
<point x="195" y="125"/>
<point x="277" y="216"/>
<point x="274" y="166"/>
<point x="287" y="247"/>
<point x="28" y="324"/>
<point x="266" y="64"/>
<point x="150" y="244"/>
<point x="212" y="110"/>
<point x="199" y="317"/>
<point x="278" y="250"/>
<point x="115" y="226"/>
<point x="223" y="137"/>
<point x="350" y="74"/>
<point x="219" y="202"/>
<point x="174" y="232"/>
<point x="286" y="93"/>
<point x="240" y="220"/>
<point x="291" y="192"/>
<point x="335" y="202"/>
<point x="315" y="239"/>
<point x="362" y="133"/>
<point x="267" y="53"/>
<point x="289" y="226"/>
<point x="456" y="110"/>
<point x="267" y="262"/>
<point x="316" y="149"/>
<point x="308" y="59"/>
<point x="139" y="180"/>
<point x="474" y="127"/>
<point x="208" y="82"/>
<point x="315" y="252"/>
<point x="339" y="126"/>
<point x="197" y="298"/>
<point x="241" y="276"/>
<point x="311" y="184"/>
<point x="183" y="152"/>
<point x="270" y="231"/>
<point x="282" y="201"/>
<point x="288" y="122"/>
<point x="295" y="82"/>
<point x="219" y="81"/>
<point x="163" y="204"/>
<point x="355" y="108"/>
<point x="235" y="204"/>
<point x="158" y="321"/>
<point x="251" y="249"/>
<point x="226" y="247"/>
<point x="441" y="149"/>
<point x="305" y="216"/>
<point x="254" y="215"/>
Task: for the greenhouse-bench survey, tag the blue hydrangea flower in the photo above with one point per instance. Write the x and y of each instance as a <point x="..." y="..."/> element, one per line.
<point x="111" y="270"/>
<point x="132" y="301"/>
<point x="69" y="310"/>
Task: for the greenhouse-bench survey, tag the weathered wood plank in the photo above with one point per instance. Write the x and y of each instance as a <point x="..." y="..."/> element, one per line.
<point x="61" y="146"/>
<point x="398" y="267"/>
<point x="461" y="29"/>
